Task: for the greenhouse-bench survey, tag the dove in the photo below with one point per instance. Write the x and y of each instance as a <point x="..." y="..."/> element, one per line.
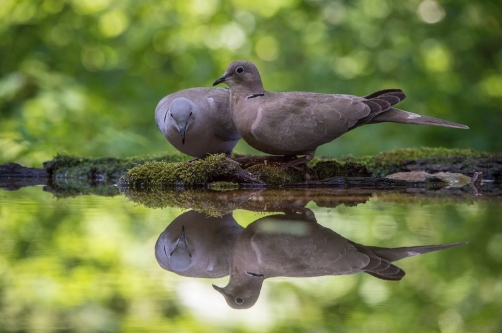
<point x="197" y="121"/>
<point x="295" y="245"/>
<point x="296" y="123"/>
<point x="195" y="245"/>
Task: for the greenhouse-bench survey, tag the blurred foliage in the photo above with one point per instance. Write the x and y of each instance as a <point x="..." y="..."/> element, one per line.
<point x="87" y="264"/>
<point x="83" y="77"/>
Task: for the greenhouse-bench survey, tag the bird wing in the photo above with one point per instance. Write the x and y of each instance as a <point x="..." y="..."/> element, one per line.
<point x="305" y="120"/>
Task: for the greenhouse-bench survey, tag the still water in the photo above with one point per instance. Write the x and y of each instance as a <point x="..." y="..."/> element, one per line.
<point x="93" y="263"/>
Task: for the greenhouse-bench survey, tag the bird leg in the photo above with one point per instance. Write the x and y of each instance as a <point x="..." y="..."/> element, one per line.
<point x="292" y="160"/>
<point x="299" y="164"/>
<point x="291" y="209"/>
<point x="194" y="159"/>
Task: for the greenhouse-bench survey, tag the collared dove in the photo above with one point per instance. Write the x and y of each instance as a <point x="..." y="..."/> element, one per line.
<point x="197" y="121"/>
<point x="295" y="245"/>
<point x="195" y="245"/>
<point x="296" y="123"/>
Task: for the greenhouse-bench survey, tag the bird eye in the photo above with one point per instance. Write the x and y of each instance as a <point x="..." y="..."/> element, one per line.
<point x="239" y="70"/>
<point x="190" y="112"/>
<point x="239" y="300"/>
<point x="172" y="115"/>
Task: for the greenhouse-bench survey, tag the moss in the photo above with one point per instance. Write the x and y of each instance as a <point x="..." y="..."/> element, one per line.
<point x="328" y="169"/>
<point x="199" y="171"/>
<point x="102" y="169"/>
<point x="390" y="162"/>
<point x="174" y="169"/>
<point x="272" y="175"/>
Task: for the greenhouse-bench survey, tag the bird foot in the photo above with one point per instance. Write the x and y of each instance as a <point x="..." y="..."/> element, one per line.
<point x="194" y="159"/>
<point x="292" y="160"/>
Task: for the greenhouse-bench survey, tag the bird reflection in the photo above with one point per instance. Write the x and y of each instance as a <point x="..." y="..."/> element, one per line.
<point x="295" y="245"/>
<point x="292" y="244"/>
<point x="195" y="245"/>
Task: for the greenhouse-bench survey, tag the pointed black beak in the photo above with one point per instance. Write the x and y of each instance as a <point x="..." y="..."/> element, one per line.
<point x="221" y="290"/>
<point x="182" y="133"/>
<point x="221" y="79"/>
<point x="182" y="236"/>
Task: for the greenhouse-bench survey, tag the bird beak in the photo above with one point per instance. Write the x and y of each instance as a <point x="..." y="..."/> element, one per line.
<point x="182" y="236"/>
<point x="221" y="290"/>
<point x="221" y="79"/>
<point x="182" y="133"/>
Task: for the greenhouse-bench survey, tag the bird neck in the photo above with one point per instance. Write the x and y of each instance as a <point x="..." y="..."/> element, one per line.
<point x="248" y="90"/>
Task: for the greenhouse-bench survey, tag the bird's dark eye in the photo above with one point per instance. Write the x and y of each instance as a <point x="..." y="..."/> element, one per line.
<point x="172" y="115"/>
<point x="239" y="300"/>
<point x="239" y="70"/>
<point x="190" y="112"/>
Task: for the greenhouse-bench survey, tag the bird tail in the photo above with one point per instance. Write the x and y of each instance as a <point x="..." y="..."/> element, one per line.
<point x="394" y="115"/>
<point x="386" y="271"/>
<point x="399" y="253"/>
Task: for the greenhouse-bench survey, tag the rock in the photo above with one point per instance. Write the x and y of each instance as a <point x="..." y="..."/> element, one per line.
<point x="452" y="179"/>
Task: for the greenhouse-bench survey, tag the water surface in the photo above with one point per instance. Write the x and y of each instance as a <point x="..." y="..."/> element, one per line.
<point x="88" y="264"/>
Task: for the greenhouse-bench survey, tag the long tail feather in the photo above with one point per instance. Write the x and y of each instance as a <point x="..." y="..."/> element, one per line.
<point x="399" y="253"/>
<point x="404" y="117"/>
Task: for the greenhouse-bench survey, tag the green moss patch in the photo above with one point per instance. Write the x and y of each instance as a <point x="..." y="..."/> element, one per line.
<point x="328" y="169"/>
<point x="392" y="161"/>
<point x="197" y="172"/>
<point x="273" y="175"/>
<point x="102" y="169"/>
<point x="175" y="169"/>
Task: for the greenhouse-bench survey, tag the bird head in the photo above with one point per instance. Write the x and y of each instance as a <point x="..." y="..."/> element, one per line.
<point x="242" y="75"/>
<point x="176" y="255"/>
<point x="181" y="111"/>
<point x="243" y="290"/>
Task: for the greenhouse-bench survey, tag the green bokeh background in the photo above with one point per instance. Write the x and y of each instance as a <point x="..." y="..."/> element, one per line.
<point x="83" y="77"/>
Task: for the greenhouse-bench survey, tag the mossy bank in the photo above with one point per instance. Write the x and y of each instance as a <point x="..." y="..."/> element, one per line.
<point x="217" y="168"/>
<point x="223" y="173"/>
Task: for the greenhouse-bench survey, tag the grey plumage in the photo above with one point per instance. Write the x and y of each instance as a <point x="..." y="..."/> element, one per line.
<point x="197" y="121"/>
<point x="196" y="245"/>
<point x="180" y="257"/>
<point x="296" y="123"/>
<point x="295" y="245"/>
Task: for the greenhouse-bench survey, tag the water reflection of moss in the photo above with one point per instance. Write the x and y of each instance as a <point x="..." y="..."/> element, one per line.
<point x="213" y="203"/>
<point x="222" y="186"/>
<point x="62" y="189"/>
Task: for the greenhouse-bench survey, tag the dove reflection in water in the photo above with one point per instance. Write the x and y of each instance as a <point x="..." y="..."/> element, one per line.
<point x="195" y="245"/>
<point x="294" y="245"/>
